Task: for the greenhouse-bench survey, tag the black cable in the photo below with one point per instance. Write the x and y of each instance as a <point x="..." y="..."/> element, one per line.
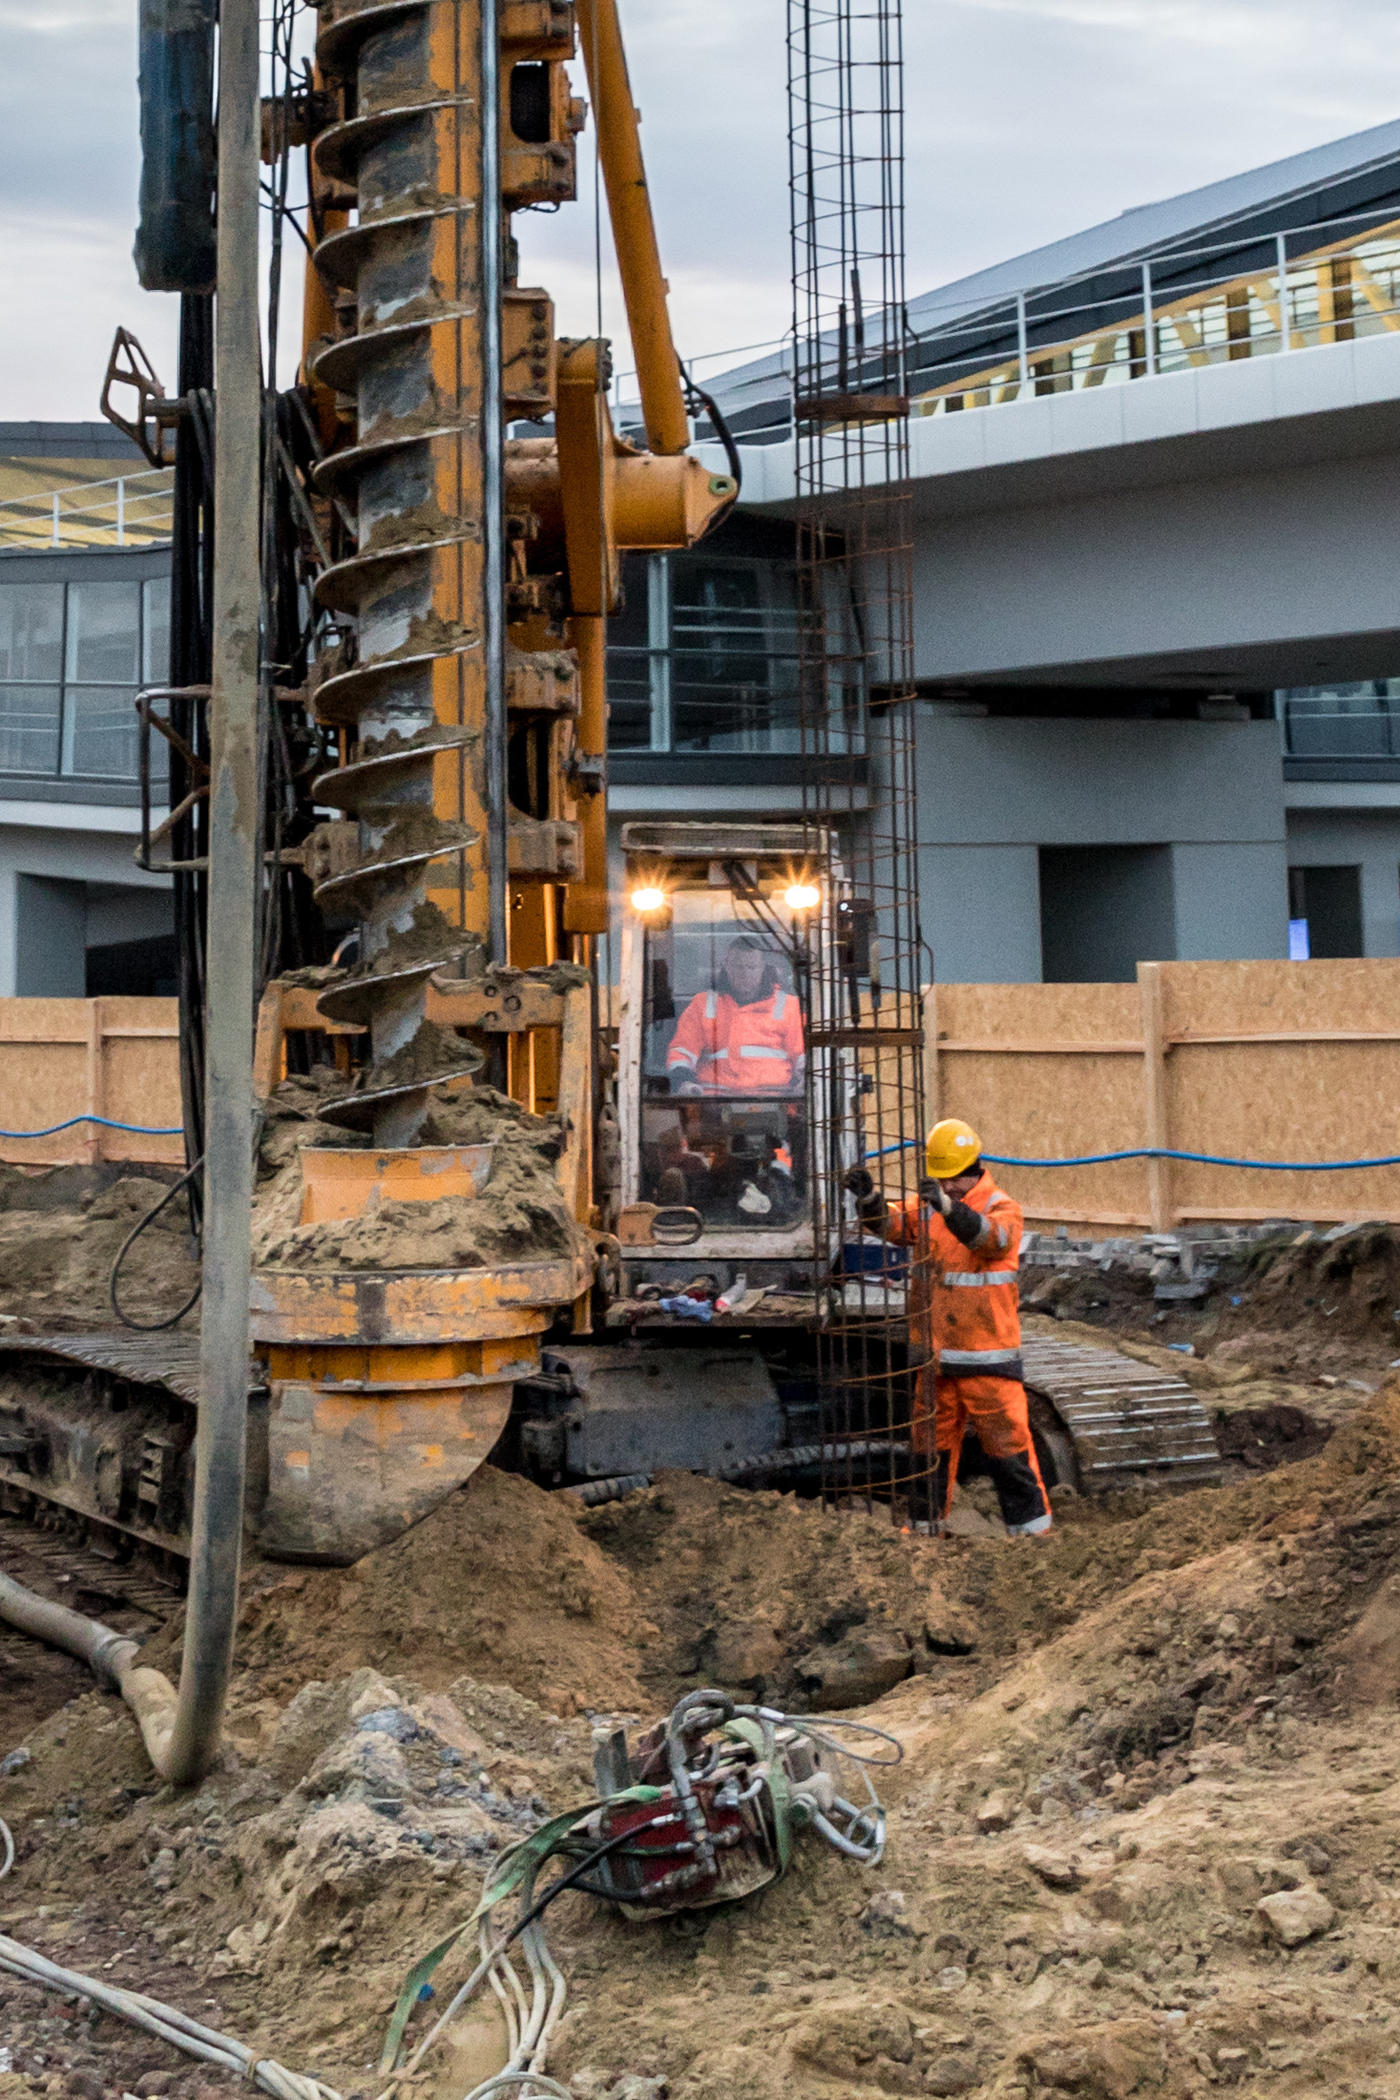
<point x="695" y="395"/>
<point x="152" y="1326"/>
<point x="567" y="1881"/>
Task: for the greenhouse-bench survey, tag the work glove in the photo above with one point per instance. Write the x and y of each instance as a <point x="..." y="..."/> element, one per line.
<point x="936" y="1196"/>
<point x="861" y="1183"/>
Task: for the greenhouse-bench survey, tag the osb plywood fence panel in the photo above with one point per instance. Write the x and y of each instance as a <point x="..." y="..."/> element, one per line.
<point x="65" y="1058"/>
<point x="1258" y="1060"/>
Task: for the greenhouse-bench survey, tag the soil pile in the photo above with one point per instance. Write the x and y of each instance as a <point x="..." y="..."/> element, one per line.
<point x="1142" y="1843"/>
<point x="521" y="1214"/>
<point x="500" y="1583"/>
<point x="61" y="1229"/>
<point x="790" y="1603"/>
<point x="1296" y="1306"/>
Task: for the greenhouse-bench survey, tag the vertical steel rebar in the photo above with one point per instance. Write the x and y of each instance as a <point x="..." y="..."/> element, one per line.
<point x="855" y="553"/>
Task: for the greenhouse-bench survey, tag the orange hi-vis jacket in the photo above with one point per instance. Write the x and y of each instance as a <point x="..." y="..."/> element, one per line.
<point x="751" y="1049"/>
<point x="971" y="1301"/>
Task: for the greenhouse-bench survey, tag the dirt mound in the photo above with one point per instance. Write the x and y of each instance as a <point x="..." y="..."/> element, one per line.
<point x="61" y="1231"/>
<point x="1099" y="1548"/>
<point x="777" y="1598"/>
<point x="1274" y="1435"/>
<point x="500" y="1583"/>
<point x="1142" y="1843"/>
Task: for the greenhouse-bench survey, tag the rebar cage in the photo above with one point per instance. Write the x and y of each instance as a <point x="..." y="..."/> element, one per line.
<point x="854" y="516"/>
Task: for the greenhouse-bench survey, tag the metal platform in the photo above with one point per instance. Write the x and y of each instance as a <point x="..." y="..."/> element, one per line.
<point x="1127" y="1419"/>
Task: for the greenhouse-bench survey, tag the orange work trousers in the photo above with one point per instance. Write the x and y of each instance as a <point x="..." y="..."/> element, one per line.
<point x="997" y="1412"/>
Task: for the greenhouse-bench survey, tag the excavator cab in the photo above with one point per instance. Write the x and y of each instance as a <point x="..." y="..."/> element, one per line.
<point x="714" y="1097"/>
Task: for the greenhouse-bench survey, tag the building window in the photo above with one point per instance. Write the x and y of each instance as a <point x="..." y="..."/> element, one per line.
<point x="1342" y="721"/>
<point x="704" y="656"/>
<point x="72" y="659"/>
<point x="1324" y="912"/>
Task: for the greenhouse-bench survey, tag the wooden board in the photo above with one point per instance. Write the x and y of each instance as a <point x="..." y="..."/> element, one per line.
<point x="62" y="1058"/>
<point x="1261" y="1060"/>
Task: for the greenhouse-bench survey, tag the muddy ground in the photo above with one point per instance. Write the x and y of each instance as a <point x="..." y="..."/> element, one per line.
<point x="1145" y="1839"/>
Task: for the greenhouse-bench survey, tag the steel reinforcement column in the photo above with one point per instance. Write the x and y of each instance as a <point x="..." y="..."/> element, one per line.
<point x="855" y="566"/>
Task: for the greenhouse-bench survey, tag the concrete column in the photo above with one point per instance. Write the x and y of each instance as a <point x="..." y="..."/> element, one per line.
<point x="50" y="938"/>
<point x="980" y="907"/>
<point x="1231" y="901"/>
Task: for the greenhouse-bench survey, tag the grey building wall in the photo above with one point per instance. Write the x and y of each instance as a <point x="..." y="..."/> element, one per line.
<point x="1364" y="838"/>
<point x="1242" y="579"/>
<point x="993" y="791"/>
<point x="67" y="883"/>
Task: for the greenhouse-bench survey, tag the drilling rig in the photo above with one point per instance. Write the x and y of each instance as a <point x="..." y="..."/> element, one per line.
<point x="443" y="509"/>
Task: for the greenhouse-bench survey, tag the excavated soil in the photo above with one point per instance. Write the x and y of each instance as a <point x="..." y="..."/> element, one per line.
<point x="60" y="1232"/>
<point x="521" y="1214"/>
<point x="1299" y="1306"/>
<point x="1142" y="1841"/>
<point x="1142" y="1844"/>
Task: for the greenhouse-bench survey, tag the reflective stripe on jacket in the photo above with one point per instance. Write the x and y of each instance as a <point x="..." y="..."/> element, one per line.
<point x="751" y="1049"/>
<point x="973" y="1314"/>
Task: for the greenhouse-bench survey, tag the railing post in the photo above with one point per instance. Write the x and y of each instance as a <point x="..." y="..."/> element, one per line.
<point x="55" y="518"/>
<point x="932" y="1075"/>
<point x="1149" y="333"/>
<point x="1285" y="328"/>
<point x="1022" y="343"/>
<point x="121" y="511"/>
<point x="1154" y="1090"/>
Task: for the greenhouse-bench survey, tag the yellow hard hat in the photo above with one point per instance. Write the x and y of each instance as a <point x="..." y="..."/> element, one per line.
<point x="951" y="1149"/>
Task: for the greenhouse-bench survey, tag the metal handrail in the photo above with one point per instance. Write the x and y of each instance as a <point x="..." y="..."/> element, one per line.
<point x="130" y="510"/>
<point x="1019" y="313"/>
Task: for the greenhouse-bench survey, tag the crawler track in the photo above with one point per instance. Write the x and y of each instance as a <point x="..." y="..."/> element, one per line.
<point x="1126" y="1420"/>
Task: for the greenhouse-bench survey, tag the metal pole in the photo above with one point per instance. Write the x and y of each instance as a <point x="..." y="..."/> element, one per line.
<point x="1285" y="331"/>
<point x="1149" y="333"/>
<point x="1022" y="345"/>
<point x="493" y="522"/>
<point x="121" y="512"/>
<point x="55" y="518"/>
<point x="234" y="879"/>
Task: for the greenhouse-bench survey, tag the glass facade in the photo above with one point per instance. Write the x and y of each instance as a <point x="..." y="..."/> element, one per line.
<point x="1342" y="721"/>
<point x="72" y="659"/>
<point x="703" y="656"/>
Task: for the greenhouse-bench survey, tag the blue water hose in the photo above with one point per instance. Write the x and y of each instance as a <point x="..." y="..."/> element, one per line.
<point x="137" y="1129"/>
<point x="1200" y="1159"/>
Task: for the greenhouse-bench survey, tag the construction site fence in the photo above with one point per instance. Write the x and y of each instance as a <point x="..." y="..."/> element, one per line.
<point x="1256" y="1060"/>
<point x="116" y="1059"/>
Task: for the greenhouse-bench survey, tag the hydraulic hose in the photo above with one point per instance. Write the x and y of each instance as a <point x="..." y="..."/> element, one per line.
<point x="112" y="1657"/>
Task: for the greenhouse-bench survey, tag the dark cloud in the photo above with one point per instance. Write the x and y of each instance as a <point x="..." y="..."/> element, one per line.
<point x="1027" y="119"/>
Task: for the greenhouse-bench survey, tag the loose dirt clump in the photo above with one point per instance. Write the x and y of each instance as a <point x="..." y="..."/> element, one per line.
<point x="501" y="1582"/>
<point x="60" y="1231"/>
<point x="521" y="1214"/>
<point x="1264" y="1437"/>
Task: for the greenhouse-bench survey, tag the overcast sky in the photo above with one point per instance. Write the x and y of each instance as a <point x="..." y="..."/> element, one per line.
<point x="1027" y="119"/>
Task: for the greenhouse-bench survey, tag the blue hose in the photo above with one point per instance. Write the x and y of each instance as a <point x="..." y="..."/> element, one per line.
<point x="1200" y="1159"/>
<point x="138" y="1129"/>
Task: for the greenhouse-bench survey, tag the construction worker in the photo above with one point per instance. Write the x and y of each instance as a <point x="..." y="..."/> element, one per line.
<point x="743" y="1036"/>
<point x="965" y="1236"/>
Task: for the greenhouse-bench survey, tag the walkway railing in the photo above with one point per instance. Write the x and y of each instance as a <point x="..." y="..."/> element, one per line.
<point x="1252" y="295"/>
<point x="1191" y="310"/>
<point x="128" y="510"/>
